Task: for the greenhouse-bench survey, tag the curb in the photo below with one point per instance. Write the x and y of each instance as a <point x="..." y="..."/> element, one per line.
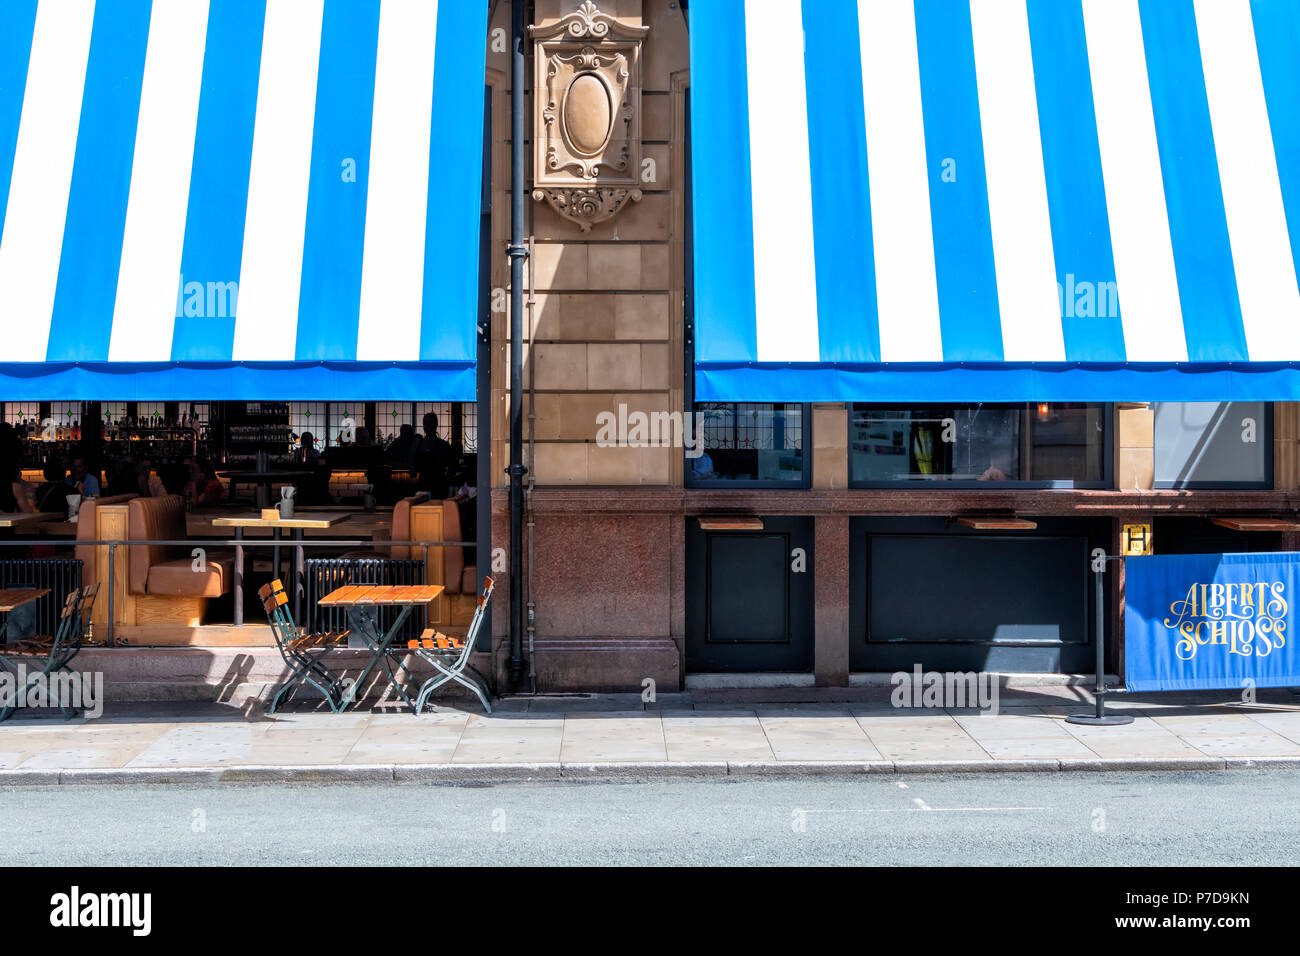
<point x="497" y="773"/>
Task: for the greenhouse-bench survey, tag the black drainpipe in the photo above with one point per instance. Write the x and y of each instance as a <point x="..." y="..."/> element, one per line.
<point x="517" y="253"/>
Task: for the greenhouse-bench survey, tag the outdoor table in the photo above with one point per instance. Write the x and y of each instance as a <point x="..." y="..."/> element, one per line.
<point x="300" y="522"/>
<point x="263" y="480"/>
<point x="11" y="599"/>
<point x="361" y="600"/>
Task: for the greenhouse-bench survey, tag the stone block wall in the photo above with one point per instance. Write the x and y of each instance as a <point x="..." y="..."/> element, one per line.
<point x="606" y="304"/>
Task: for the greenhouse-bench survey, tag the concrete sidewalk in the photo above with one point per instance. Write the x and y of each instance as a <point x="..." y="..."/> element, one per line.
<point x="568" y="737"/>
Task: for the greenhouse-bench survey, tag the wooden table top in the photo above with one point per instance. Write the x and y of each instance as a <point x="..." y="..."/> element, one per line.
<point x="353" y="595"/>
<point x="302" y="519"/>
<point x="13" y="598"/>
<point x="12" y="520"/>
<point x="264" y="477"/>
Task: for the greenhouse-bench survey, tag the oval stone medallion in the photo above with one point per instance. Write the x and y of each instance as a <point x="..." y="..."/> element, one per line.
<point x="587" y="113"/>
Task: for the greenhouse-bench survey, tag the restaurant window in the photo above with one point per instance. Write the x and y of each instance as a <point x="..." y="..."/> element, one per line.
<point x="307" y="417"/>
<point x="1050" y="445"/>
<point x="1213" y="444"/>
<point x="442" y="410"/>
<point x="754" y="444"/>
<point x="18" y="413"/>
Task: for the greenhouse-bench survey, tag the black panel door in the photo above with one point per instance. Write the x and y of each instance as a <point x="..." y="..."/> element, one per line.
<point x="750" y="598"/>
<point x="933" y="593"/>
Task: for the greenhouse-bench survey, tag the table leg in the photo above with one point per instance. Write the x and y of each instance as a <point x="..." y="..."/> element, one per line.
<point x="299" y="564"/>
<point x="239" y="577"/>
<point x="379" y="648"/>
<point x="275" y="558"/>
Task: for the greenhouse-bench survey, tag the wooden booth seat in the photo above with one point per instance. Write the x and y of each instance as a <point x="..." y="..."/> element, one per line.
<point x="418" y="519"/>
<point x="461" y="578"/>
<point x="89" y="529"/>
<point x="170" y="569"/>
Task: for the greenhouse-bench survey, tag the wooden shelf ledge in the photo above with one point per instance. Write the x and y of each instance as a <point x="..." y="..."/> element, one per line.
<point x="998" y="524"/>
<point x="731" y="522"/>
<point x="1257" y="524"/>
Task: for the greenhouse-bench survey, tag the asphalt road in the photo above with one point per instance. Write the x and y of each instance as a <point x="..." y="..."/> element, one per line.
<point x="1114" y="818"/>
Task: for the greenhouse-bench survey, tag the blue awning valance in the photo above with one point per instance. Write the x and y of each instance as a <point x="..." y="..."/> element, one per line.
<point x="996" y="200"/>
<point x="239" y="198"/>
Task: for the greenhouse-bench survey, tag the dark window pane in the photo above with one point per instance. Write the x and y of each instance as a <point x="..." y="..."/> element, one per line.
<point x="748" y="443"/>
<point x="977" y="443"/>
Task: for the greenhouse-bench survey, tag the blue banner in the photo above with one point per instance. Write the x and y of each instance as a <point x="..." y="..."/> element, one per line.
<point x="1205" y="621"/>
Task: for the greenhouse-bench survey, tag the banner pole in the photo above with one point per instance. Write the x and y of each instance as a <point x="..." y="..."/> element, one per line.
<point x="1100" y="718"/>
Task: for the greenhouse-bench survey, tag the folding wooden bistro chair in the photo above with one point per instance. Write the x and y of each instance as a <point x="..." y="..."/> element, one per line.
<point x="302" y="652"/>
<point x="41" y="659"/>
<point x="450" y="656"/>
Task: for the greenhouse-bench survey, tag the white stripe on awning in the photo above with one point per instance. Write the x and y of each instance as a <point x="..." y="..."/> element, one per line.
<point x="1135" y="194"/>
<point x="270" y="274"/>
<point x="785" y="273"/>
<point x="42" y="175"/>
<point x="154" y="236"/>
<point x="1252" y="194"/>
<point x="906" y="291"/>
<point x="392" y="273"/>
<point x="1017" y="189"/>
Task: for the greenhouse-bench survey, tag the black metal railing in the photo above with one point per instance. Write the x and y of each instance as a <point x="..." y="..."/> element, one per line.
<point x="59" y="576"/>
<point x="324" y="575"/>
<point x="241" y="546"/>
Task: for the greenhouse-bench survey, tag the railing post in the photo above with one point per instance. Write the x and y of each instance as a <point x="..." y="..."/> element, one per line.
<point x="112" y="589"/>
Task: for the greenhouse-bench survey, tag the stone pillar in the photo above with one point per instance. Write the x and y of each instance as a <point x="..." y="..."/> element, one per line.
<point x="1286" y="444"/>
<point x="1115" y="588"/>
<point x="831" y="627"/>
<point x="1135" y="461"/>
<point x="830" y="449"/>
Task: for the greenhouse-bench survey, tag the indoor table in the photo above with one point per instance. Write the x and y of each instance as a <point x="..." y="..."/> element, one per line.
<point x="300" y="522"/>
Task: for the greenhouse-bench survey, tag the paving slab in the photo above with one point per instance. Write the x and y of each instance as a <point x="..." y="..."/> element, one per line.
<point x="1244" y="745"/>
<point x="514" y="739"/>
<point x="921" y="738"/>
<point x="828" y="737"/>
<point x="716" y="736"/>
<point x="613" y="739"/>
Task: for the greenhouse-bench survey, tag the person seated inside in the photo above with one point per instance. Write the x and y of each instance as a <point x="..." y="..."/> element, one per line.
<point x="15" y="493"/>
<point x="121" y="478"/>
<point x="434" y="460"/>
<point x="306" y="453"/>
<point x="205" y="488"/>
<point x="402" y="450"/>
<point x="53" y="494"/>
<point x="85" y="482"/>
<point x="148" y="485"/>
<point x="175" y="477"/>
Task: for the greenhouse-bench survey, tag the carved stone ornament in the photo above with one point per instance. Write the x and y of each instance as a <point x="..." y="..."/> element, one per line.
<point x="587" y="136"/>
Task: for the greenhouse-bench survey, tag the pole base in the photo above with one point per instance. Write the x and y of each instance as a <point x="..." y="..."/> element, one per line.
<point x="1106" y="720"/>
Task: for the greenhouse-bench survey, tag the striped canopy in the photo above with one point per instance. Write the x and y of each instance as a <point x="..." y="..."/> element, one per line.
<point x="238" y="198"/>
<point x="996" y="200"/>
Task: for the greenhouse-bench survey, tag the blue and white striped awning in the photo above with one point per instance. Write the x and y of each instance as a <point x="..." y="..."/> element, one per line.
<point x="234" y="198"/>
<point x="996" y="200"/>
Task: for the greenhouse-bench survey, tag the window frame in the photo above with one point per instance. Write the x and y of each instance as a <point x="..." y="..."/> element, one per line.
<point x="1268" y="483"/>
<point x="1105" y="482"/>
